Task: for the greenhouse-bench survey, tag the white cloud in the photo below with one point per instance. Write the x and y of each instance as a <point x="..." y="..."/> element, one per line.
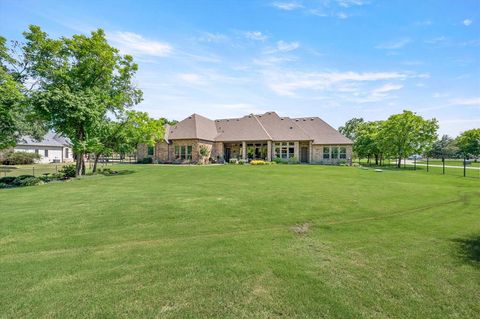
<point x="191" y="78"/>
<point x="475" y="101"/>
<point x="438" y="95"/>
<point x="283" y="46"/>
<point x="212" y="37"/>
<point x="286" y="83"/>
<point x="396" y="44"/>
<point x="436" y="40"/>
<point x="467" y="22"/>
<point x="350" y="3"/>
<point x="342" y="15"/>
<point x="287" y="6"/>
<point x="256" y="35"/>
<point x="387" y="88"/>
<point x="135" y="44"/>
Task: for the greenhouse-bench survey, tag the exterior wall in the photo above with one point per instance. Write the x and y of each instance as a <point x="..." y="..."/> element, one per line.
<point x="55" y="154"/>
<point x="317" y="155"/>
<point x="218" y="152"/>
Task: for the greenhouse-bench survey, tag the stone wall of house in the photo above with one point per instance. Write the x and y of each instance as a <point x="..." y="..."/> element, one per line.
<point x="142" y="151"/>
<point x="217" y="152"/>
<point x="317" y="155"/>
<point x="162" y="152"/>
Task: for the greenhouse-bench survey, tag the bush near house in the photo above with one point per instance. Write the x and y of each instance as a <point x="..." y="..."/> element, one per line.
<point x="20" y="158"/>
<point x="19" y="181"/>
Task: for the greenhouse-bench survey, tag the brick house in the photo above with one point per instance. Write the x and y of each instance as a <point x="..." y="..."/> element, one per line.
<point x="265" y="136"/>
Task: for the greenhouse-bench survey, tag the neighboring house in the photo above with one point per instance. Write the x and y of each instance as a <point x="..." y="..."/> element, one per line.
<point x="53" y="148"/>
<point x="266" y="136"/>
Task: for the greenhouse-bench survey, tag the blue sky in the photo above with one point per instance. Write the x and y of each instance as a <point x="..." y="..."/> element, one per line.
<point x="336" y="59"/>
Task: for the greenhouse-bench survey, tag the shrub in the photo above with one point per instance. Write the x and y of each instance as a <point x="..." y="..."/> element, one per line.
<point x="279" y="160"/>
<point x="7" y="180"/>
<point x="258" y="162"/>
<point x="20" y="158"/>
<point x="68" y="171"/>
<point x="26" y="180"/>
<point x="107" y="171"/>
<point x="3" y="185"/>
<point x="146" y="160"/>
<point x="242" y="162"/>
<point x="233" y="161"/>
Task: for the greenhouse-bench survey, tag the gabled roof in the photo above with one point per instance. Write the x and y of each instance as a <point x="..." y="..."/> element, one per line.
<point x="320" y="131"/>
<point x="282" y="128"/>
<point x="50" y="139"/>
<point x="261" y="127"/>
<point x="193" y="127"/>
<point x="246" y="128"/>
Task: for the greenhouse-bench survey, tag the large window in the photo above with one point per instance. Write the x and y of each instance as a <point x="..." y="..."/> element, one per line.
<point x="150" y="150"/>
<point x="343" y="152"/>
<point x="66" y="153"/>
<point x="285" y="150"/>
<point x="334" y="152"/>
<point x="46" y="153"/>
<point x="183" y="152"/>
<point x="326" y="153"/>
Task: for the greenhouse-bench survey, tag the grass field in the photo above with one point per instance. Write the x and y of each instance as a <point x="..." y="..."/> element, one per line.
<point x="280" y="241"/>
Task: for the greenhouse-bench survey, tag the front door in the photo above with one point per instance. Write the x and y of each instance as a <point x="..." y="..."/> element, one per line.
<point x="304" y="154"/>
<point x="227" y="154"/>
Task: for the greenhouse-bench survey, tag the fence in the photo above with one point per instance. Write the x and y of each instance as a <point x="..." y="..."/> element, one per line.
<point x="43" y="169"/>
<point x="458" y="167"/>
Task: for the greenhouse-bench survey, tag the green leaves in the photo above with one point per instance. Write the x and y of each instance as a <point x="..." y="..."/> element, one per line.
<point x="469" y="142"/>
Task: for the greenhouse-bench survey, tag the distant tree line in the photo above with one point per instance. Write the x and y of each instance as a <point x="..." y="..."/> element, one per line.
<point x="406" y="134"/>
<point x="79" y="86"/>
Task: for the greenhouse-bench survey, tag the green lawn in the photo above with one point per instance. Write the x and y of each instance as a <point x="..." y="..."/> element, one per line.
<point x="280" y="241"/>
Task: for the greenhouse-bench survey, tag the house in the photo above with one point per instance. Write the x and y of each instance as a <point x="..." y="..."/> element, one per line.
<point x="52" y="148"/>
<point x="265" y="136"/>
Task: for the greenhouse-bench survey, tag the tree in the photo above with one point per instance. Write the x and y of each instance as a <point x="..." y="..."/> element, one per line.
<point x="140" y="128"/>
<point x="368" y="140"/>
<point x="406" y="134"/>
<point x="351" y="127"/>
<point x="469" y="143"/>
<point x="445" y="147"/>
<point x="79" y="80"/>
<point x="203" y="152"/>
<point x="16" y="117"/>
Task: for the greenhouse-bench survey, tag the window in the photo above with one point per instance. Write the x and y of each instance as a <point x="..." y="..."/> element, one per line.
<point x="45" y="153"/>
<point x="183" y="152"/>
<point x="150" y="150"/>
<point x="343" y="152"/>
<point x="36" y="151"/>
<point x="326" y="153"/>
<point x="66" y="153"/>
<point x="334" y="152"/>
<point x="284" y="149"/>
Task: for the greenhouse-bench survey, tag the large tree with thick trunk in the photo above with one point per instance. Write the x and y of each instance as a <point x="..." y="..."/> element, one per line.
<point x="79" y="81"/>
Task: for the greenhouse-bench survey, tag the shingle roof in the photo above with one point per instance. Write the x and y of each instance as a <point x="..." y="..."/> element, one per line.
<point x="267" y="126"/>
<point x="50" y="139"/>
<point x="320" y="131"/>
<point x="246" y="128"/>
<point x="193" y="127"/>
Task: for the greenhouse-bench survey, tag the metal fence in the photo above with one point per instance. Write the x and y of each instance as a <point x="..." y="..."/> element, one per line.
<point x="457" y="167"/>
<point x="44" y="169"/>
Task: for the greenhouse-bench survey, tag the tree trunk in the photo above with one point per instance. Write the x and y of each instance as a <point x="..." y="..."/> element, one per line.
<point x="399" y="165"/>
<point x="95" y="163"/>
<point x="376" y="159"/>
<point x="78" y="164"/>
<point x="83" y="166"/>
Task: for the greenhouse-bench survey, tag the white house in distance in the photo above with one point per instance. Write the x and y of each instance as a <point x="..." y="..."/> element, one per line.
<point x="53" y="148"/>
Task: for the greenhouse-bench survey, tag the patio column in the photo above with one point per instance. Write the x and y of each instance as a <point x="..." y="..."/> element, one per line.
<point x="310" y="152"/>
<point x="296" y="146"/>
<point x="244" y="150"/>
<point x="269" y="151"/>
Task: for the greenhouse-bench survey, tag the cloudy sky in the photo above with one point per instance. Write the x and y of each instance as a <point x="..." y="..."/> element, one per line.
<point x="336" y="59"/>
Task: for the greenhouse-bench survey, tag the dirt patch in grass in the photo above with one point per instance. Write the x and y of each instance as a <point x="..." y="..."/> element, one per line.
<point x="301" y="229"/>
